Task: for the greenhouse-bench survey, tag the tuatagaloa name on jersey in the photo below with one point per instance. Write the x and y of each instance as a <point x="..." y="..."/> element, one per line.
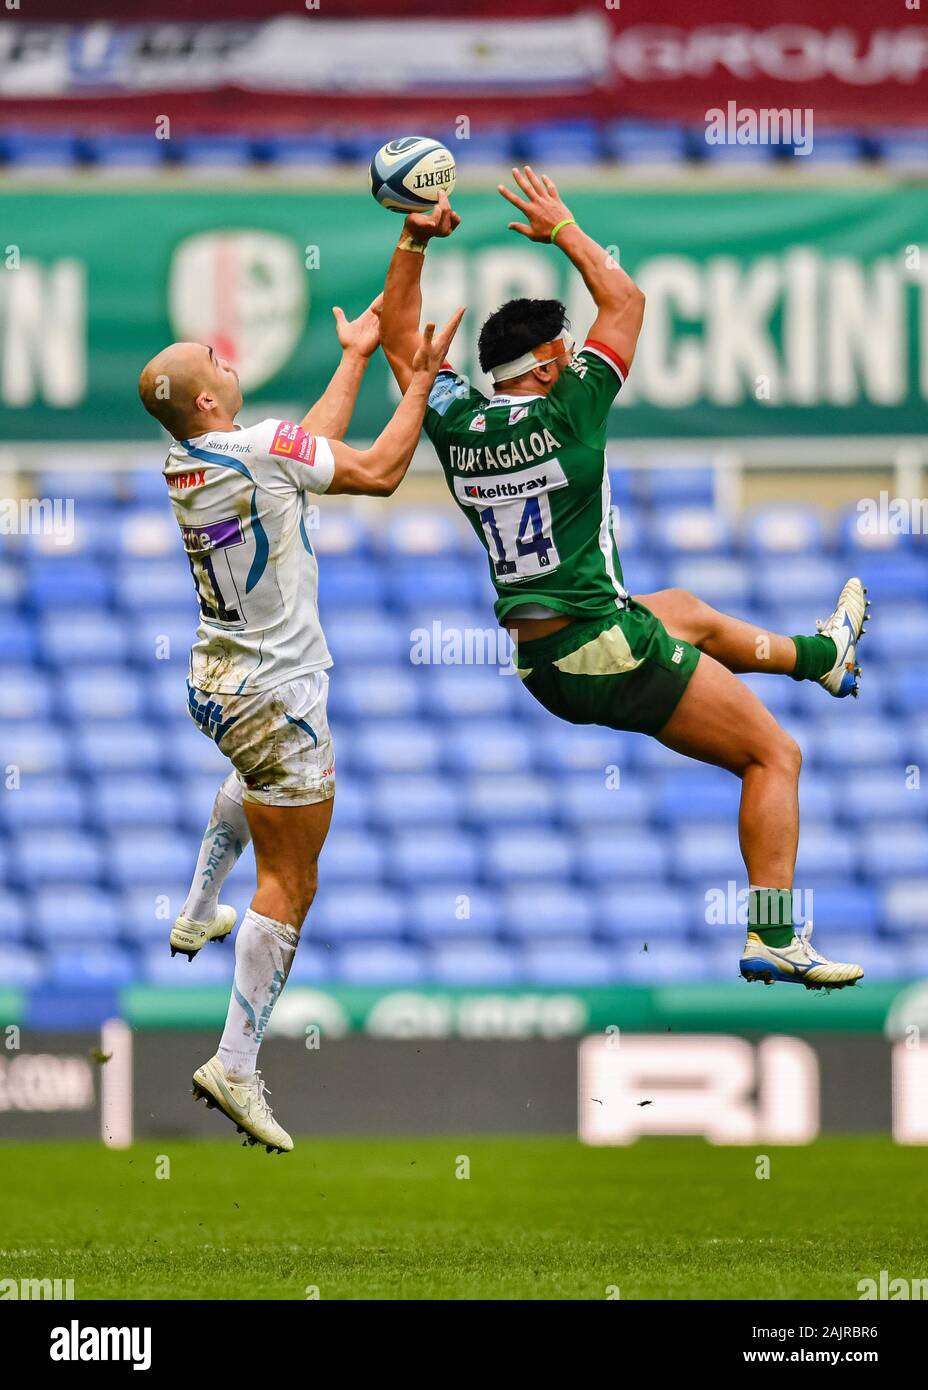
<point x="513" y="453"/>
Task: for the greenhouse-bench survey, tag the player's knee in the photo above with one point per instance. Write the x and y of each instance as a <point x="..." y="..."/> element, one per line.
<point x="694" y="614"/>
<point x="786" y="753"/>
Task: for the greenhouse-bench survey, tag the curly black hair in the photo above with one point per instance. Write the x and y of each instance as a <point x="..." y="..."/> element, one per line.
<point x="517" y="327"/>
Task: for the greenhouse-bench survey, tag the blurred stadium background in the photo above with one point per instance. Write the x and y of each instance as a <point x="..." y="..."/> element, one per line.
<point x="495" y="882"/>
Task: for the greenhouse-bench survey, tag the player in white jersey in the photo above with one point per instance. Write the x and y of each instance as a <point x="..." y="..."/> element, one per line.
<point x="258" y="680"/>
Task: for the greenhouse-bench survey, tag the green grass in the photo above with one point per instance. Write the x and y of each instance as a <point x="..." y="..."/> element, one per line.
<point x="539" y="1218"/>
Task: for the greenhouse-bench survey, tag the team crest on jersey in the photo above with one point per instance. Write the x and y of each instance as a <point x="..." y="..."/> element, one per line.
<point x="517" y="413"/>
<point x="479" y="422"/>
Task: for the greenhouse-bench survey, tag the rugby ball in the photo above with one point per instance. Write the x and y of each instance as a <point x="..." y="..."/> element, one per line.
<point x="406" y="175"/>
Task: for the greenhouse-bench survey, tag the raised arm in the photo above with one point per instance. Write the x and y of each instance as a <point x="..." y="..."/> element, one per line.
<point x="379" y="470"/>
<point x="619" y="301"/>
<point x="331" y="415"/>
<point x="402" y="295"/>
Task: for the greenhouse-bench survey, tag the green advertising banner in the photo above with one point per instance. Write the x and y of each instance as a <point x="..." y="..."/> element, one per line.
<point x="770" y="310"/>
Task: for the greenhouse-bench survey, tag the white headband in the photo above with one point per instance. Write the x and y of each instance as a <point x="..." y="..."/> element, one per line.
<point x="538" y="357"/>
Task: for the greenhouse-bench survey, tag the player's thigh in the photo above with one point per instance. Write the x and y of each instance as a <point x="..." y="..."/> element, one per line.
<point x="682" y="613"/>
<point x="288" y="839"/>
<point x="719" y="720"/>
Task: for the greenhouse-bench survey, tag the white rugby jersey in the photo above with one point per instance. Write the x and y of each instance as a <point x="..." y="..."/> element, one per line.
<point x="242" y="502"/>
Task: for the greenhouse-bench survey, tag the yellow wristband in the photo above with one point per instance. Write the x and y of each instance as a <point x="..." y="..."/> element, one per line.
<point x="567" y="222"/>
<point x="408" y="243"/>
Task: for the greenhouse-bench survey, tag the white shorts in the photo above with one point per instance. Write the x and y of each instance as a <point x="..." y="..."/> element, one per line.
<point x="277" y="740"/>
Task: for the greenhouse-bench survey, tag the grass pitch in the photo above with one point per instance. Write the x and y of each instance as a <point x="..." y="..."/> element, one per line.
<point x="538" y="1218"/>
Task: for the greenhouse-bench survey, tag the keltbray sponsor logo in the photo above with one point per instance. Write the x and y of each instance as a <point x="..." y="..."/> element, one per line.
<point x="245" y="293"/>
<point x="477" y="491"/>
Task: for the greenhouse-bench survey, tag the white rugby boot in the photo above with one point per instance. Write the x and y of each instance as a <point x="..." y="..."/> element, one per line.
<point x="188" y="936"/>
<point x="243" y="1102"/>
<point x="795" y="964"/>
<point x="845" y="627"/>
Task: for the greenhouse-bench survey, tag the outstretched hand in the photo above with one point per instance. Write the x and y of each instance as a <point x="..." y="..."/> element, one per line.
<point x="433" y="349"/>
<point x="422" y="226"/>
<point x="360" y="335"/>
<point x="541" y="204"/>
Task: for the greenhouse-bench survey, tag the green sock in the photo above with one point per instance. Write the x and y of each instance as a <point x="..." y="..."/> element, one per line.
<point x="770" y="915"/>
<point x="815" y="656"/>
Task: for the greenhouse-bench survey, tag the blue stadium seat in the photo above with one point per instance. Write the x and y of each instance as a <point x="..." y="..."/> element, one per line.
<point x="490" y="146"/>
<point x="424" y="532"/>
<point x="783" y="530"/>
<point x="446" y="910"/>
<point x="670" y="482"/>
<point x="696" y="794"/>
<point x="73" y="912"/>
<point x="560" y="911"/>
<point x="20" y="966"/>
<point x="474" y="963"/>
<point x="497" y="747"/>
<point x="809" y="581"/>
<point x="214" y="151"/>
<point x="118" y="801"/>
<point x="77" y="968"/>
<point x="24" y="692"/>
<point x="68" y="583"/>
<point x="905" y="905"/>
<point x="583" y="748"/>
<point x="690" y="530"/>
<point x="904" y="148"/>
<point x="561" y="142"/>
<point x="101" y="692"/>
<point x="354" y="856"/>
<point x="836" y="908"/>
<point x="212" y="967"/>
<point x="57" y="856"/>
<point x="831" y="148"/>
<point x="894" y="850"/>
<point x="907" y="688"/>
<point x="515" y="800"/>
<point x="416" y="800"/>
<point x="126" y="151"/>
<point x="147" y="909"/>
<point x="825" y="853"/>
<point x="707" y="849"/>
<point x="468" y="692"/>
<point x="299" y="150"/>
<point x="41" y="802"/>
<point x="664" y="962"/>
<point x="158" y="853"/>
<point x="392" y="746"/>
<point x="352" y="805"/>
<point x="39" y="149"/>
<point x="893" y="577"/>
<point x="648" y="143"/>
<point x="350" y="581"/>
<point x="734" y="159"/>
<point x="13" y="919"/>
<point x="900" y="629"/>
<point x="568" y="964"/>
<point x="82" y="638"/>
<point x="20" y="639"/>
<point x="619" y="855"/>
<point x="723" y="581"/>
<point x="419" y="856"/>
<point x="643" y="911"/>
<point x="342" y="912"/>
<point x="110" y="746"/>
<point x="184" y="748"/>
<point x="35" y="748"/>
<point x="865" y="797"/>
<point x="312" y="965"/>
<point x="432" y="580"/>
<point x="881" y="959"/>
<point x="383" y="963"/>
<point x="368" y="638"/>
<point x="860" y="741"/>
<point x="526" y="856"/>
<point x="586" y="800"/>
<point x="382" y="692"/>
<point x="162" y="584"/>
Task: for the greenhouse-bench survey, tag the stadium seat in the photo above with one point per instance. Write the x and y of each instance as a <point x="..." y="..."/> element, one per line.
<point x="384" y="692"/>
<point x="516" y="800"/>
<point x="783" y="530"/>
<point x="212" y="967"/>
<point x="420" y="856"/>
<point x="602" y="800"/>
<point x="214" y="151"/>
<point x="111" y="746"/>
<point x="13" y="919"/>
<point x="474" y="963"/>
<point x="566" y="964"/>
<point x="101" y="692"/>
<point x="560" y="142"/>
<point x="905" y="905"/>
<point x="415" y="800"/>
<point x="57" y="856"/>
<point x="299" y="150"/>
<point x="894" y="850"/>
<point x="20" y="966"/>
<point x="119" y="801"/>
<point x="664" y="962"/>
<point x="526" y="856"/>
<point x="43" y="802"/>
<point x="38" y="149"/>
<point x="78" y="968"/>
<point x="354" y="856"/>
<point x="162" y="853"/>
<point x="125" y="150"/>
<point x="646" y="143"/>
<point x="614" y="856"/>
<point x="346" y="912"/>
<point x="383" y="963"/>
<point x="73" y="912"/>
<point x="557" y="912"/>
<point x="642" y="912"/>
<point x="440" y="910"/>
<point x="147" y="909"/>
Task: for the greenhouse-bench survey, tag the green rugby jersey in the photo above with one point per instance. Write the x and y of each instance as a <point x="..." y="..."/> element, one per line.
<point x="530" y="475"/>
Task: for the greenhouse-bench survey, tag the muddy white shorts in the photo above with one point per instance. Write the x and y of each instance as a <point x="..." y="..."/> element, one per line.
<point x="277" y="740"/>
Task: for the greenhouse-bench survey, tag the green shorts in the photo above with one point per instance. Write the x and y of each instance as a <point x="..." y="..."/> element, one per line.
<point x="623" y="671"/>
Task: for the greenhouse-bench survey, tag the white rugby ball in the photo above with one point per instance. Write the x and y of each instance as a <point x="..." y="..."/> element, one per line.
<point x="408" y="174"/>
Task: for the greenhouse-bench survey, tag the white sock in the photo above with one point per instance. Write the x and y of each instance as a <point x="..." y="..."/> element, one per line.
<point x="226" y="836"/>
<point x="264" y="951"/>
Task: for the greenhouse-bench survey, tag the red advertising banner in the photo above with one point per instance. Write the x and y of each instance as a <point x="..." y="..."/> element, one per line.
<point x="364" y="62"/>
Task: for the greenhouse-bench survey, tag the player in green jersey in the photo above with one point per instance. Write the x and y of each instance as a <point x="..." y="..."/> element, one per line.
<point x="527" y="466"/>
